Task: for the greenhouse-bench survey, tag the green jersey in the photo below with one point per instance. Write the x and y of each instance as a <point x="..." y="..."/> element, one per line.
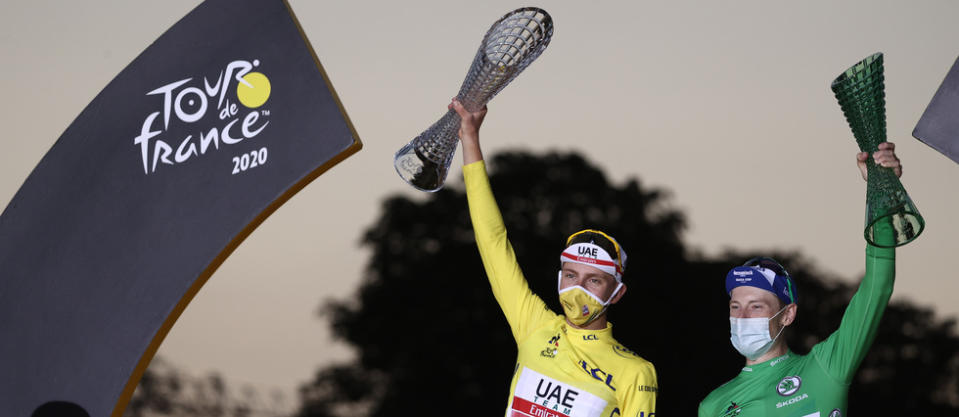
<point x="816" y="384"/>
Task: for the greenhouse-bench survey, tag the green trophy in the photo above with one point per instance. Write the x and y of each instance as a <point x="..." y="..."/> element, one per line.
<point x="860" y="91"/>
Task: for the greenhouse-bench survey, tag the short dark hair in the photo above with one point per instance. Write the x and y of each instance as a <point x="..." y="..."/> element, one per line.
<point x="777" y="268"/>
<point x="596" y="239"/>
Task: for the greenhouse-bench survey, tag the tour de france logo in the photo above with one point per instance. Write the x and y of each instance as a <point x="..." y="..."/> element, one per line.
<point x="198" y="115"/>
<point x="789" y="385"/>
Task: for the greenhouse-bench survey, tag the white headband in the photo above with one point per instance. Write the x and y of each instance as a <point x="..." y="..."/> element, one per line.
<point x="594" y="256"/>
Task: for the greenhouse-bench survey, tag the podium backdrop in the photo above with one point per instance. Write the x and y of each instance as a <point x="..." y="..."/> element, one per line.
<point x="207" y="132"/>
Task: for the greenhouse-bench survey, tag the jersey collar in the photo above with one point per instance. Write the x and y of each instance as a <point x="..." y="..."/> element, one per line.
<point x="588" y="336"/>
<point x="768" y="366"/>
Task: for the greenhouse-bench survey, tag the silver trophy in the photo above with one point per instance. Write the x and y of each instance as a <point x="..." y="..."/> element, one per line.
<point x="510" y="45"/>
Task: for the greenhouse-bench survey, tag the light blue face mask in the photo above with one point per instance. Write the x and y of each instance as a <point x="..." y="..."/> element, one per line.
<point x="750" y="336"/>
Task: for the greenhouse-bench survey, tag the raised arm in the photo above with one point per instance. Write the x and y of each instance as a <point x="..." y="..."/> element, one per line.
<point x="524" y="310"/>
<point x="469" y="131"/>
<point x="845" y="349"/>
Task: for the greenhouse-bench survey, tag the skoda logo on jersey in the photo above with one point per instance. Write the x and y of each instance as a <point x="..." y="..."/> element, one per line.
<point x="835" y="413"/>
<point x="789" y="385"/>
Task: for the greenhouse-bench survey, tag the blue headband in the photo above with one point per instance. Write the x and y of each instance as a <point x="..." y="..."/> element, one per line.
<point x="763" y="278"/>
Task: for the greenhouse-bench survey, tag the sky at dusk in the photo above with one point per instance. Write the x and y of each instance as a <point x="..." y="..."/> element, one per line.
<point x="725" y="104"/>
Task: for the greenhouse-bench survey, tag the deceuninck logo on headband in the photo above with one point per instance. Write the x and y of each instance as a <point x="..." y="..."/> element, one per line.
<point x="197" y="115"/>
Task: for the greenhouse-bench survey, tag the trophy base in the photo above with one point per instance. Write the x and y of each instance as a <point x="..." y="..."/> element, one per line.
<point x="892" y="219"/>
<point x="906" y="227"/>
<point x="419" y="172"/>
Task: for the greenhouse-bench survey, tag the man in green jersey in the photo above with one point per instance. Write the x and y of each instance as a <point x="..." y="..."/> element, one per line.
<point x="776" y="381"/>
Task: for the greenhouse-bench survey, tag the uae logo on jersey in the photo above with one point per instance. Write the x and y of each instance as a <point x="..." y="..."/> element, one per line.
<point x="789" y="385"/>
<point x="537" y="395"/>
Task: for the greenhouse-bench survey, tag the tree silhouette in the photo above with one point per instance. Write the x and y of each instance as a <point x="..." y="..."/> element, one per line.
<point x="432" y="341"/>
<point x="165" y="390"/>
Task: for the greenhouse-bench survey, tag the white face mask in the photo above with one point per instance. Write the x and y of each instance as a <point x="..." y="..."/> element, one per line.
<point x="751" y="336"/>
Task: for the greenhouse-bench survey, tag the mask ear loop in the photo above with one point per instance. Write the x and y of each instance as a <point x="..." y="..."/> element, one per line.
<point x="605" y="304"/>
<point x="784" y="326"/>
<point x="613" y="294"/>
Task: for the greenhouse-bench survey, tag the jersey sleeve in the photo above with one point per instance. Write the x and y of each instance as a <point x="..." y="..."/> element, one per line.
<point x="841" y="353"/>
<point x="704" y="407"/>
<point x="701" y="412"/>
<point x="524" y="310"/>
<point x="640" y="399"/>
<point x="712" y="405"/>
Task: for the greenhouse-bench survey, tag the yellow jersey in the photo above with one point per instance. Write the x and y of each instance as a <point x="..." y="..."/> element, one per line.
<point x="561" y="371"/>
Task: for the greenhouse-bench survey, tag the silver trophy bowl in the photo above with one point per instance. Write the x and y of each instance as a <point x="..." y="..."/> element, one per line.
<point x="511" y="44"/>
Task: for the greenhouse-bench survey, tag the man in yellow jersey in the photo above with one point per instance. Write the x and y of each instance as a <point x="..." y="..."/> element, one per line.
<point x="567" y="364"/>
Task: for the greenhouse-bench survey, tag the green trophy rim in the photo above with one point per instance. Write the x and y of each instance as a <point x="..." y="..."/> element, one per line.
<point x="853" y="71"/>
<point x="904" y="213"/>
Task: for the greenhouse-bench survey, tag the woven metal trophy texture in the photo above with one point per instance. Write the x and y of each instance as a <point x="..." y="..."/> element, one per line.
<point x="511" y="44"/>
<point x="860" y="91"/>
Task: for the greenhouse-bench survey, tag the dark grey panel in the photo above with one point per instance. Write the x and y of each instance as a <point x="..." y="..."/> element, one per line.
<point x="939" y="125"/>
<point x="99" y="245"/>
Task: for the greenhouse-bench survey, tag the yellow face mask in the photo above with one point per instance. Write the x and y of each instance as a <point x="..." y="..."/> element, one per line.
<point x="581" y="306"/>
